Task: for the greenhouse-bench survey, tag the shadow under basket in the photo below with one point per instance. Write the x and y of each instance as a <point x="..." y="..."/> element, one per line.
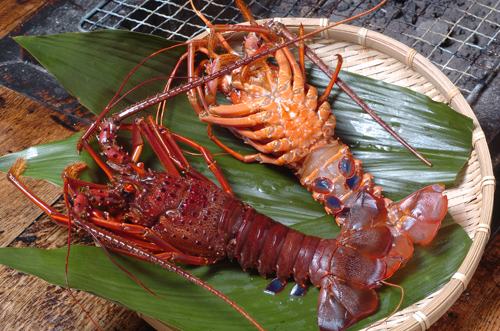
<point x="470" y="202"/>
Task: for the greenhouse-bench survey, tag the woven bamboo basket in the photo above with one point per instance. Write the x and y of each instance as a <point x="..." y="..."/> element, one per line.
<point x="376" y="56"/>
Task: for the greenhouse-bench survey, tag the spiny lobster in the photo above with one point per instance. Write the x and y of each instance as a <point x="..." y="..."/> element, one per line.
<point x="376" y="237"/>
<point x="275" y="111"/>
<point x="164" y="217"/>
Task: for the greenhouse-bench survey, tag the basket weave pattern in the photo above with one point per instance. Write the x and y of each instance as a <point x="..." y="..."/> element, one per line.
<point x="373" y="55"/>
<point x="376" y="56"/>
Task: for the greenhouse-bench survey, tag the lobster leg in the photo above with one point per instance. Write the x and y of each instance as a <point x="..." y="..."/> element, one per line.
<point x="270" y="132"/>
<point x="192" y="73"/>
<point x="14" y="176"/>
<point x="302" y="53"/>
<point x="193" y="94"/>
<point x="242" y="109"/>
<point x="258" y="157"/>
<point x="334" y="77"/>
<point x="212" y="164"/>
<point x="297" y="76"/>
<point x="120" y="245"/>
<point x="250" y="120"/>
<point x="164" y="143"/>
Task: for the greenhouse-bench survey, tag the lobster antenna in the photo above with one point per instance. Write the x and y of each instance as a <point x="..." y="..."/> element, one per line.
<point x="139" y="253"/>
<point x="397" y="307"/>
<point x="14" y="176"/>
<point x="141" y="105"/>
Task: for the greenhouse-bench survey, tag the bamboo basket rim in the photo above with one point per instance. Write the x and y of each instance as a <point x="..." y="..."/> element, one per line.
<point x="369" y="52"/>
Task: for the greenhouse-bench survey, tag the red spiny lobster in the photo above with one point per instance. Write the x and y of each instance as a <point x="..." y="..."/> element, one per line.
<point x="163" y="217"/>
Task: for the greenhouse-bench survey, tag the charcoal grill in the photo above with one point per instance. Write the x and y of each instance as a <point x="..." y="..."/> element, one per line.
<point x="461" y="38"/>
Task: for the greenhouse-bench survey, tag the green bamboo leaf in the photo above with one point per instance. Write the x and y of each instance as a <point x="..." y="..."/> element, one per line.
<point x="92" y="66"/>
<point x="441" y="135"/>
<point x="104" y="279"/>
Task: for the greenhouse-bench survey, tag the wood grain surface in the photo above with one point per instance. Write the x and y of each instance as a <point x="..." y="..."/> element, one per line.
<point x="28" y="303"/>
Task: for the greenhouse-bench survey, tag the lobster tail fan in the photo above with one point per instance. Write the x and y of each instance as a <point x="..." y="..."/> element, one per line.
<point x="420" y="214"/>
<point x="356" y="267"/>
<point x="416" y="219"/>
<point x="341" y="304"/>
<point x="332" y="316"/>
<point x="366" y="212"/>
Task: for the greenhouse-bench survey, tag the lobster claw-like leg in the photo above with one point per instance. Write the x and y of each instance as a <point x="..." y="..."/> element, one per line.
<point x="341" y="304"/>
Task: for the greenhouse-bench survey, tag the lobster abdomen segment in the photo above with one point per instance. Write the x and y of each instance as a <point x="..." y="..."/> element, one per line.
<point x="347" y="268"/>
<point x="271" y="247"/>
<point x="356" y="255"/>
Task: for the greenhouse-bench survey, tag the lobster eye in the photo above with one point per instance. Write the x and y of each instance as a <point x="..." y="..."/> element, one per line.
<point x="128" y="190"/>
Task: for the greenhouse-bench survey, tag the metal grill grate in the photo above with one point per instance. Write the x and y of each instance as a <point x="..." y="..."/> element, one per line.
<point x="459" y="37"/>
<point x="173" y="19"/>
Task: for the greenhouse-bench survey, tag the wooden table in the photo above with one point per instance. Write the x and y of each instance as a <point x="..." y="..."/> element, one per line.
<point x="26" y="302"/>
<point x="29" y="303"/>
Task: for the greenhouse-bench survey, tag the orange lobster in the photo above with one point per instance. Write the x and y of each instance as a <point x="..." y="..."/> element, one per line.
<point x="275" y="111"/>
<point x="164" y="217"/>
